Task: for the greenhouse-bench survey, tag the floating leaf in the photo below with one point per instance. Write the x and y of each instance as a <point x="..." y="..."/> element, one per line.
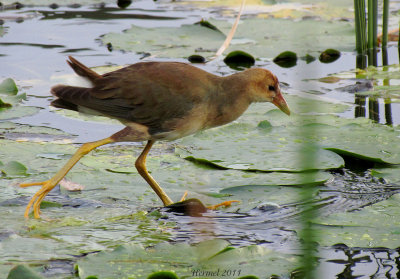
<point x="238" y="59"/>
<point x="308" y="58"/>
<point x="13" y="169"/>
<point x="389" y="174"/>
<point x="22" y="271"/>
<point x="4" y="105"/>
<point x="8" y="87"/>
<point x="372" y="226"/>
<point x="207" y="24"/>
<point x="9" y="101"/>
<point x="251" y="149"/>
<point x="196" y="59"/>
<point x="202" y="260"/>
<point x="286" y="59"/>
<point x="249" y="37"/>
<point x="163" y="275"/>
<point x="123" y="4"/>
<point x="330" y="55"/>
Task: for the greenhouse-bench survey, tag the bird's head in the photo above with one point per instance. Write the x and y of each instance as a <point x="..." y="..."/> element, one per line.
<point x="264" y="87"/>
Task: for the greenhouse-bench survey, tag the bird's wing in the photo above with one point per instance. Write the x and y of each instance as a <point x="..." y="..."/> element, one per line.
<point x="149" y="93"/>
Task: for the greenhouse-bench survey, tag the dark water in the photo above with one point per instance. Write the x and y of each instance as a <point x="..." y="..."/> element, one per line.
<point x="35" y="47"/>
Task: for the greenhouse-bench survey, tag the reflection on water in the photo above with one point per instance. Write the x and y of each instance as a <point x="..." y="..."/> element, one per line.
<point x="276" y="226"/>
<point x="373" y="103"/>
<point x="33" y="52"/>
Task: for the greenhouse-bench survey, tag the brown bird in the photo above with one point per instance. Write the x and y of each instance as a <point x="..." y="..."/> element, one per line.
<point x="158" y="101"/>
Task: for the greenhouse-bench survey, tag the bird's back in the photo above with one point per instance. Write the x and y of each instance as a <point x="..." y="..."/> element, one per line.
<point x="153" y="94"/>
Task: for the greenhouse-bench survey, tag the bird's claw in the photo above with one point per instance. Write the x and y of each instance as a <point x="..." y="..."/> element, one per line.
<point x="224" y="204"/>
<point x="36" y="200"/>
<point x="211" y="207"/>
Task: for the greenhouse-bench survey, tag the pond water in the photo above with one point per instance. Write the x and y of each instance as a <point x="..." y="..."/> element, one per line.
<point x="34" y="43"/>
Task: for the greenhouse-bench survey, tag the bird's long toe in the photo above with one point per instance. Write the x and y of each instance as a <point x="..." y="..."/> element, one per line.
<point x="37" y="199"/>
<point x="222" y="204"/>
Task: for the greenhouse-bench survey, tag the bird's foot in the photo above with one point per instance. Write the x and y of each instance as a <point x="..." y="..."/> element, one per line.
<point x="211" y="207"/>
<point x="36" y="200"/>
<point x="222" y="204"/>
<point x="184" y="196"/>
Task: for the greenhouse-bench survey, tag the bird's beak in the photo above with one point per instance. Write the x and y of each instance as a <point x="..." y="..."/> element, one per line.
<point x="280" y="102"/>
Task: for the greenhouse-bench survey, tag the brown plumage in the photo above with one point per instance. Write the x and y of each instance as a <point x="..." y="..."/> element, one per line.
<point x="159" y="101"/>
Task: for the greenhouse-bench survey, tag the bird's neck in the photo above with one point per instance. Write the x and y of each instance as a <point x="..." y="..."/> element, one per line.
<point x="230" y="101"/>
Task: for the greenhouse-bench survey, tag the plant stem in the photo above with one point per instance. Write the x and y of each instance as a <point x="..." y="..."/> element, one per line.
<point x="385" y="23"/>
<point x="372" y="23"/>
<point x="360" y="26"/>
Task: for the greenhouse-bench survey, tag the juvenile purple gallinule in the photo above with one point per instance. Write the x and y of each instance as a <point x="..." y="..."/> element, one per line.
<point x="158" y="101"/>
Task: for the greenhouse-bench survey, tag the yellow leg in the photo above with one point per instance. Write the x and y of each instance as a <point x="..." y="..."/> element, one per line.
<point x="48" y="185"/>
<point x="184" y="196"/>
<point x="224" y="204"/>
<point x="141" y="167"/>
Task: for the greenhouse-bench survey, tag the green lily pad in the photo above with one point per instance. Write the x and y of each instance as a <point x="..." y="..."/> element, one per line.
<point x="254" y="150"/>
<point x="196" y="59"/>
<point x="239" y="59"/>
<point x="181" y="174"/>
<point x="167" y="41"/>
<point x="330" y="55"/>
<point x="20" y="132"/>
<point x="22" y="271"/>
<point x="8" y="87"/>
<point x="13" y="169"/>
<point x="210" y="257"/>
<point x="249" y="37"/>
<point x="286" y="59"/>
<point x="124" y="3"/>
<point x="373" y="226"/>
<point x="389" y="174"/>
<point x="163" y="275"/>
<point x="10" y="102"/>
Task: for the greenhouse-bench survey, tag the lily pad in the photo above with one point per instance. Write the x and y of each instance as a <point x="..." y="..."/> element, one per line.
<point x="22" y="271"/>
<point x="167" y="41"/>
<point x="275" y="150"/>
<point x="330" y="55"/>
<point x="373" y="226"/>
<point x="389" y="174"/>
<point x="20" y="132"/>
<point x="175" y="173"/>
<point x="8" y="87"/>
<point x="249" y="37"/>
<point x="196" y="59"/>
<point x="13" y="169"/>
<point x="286" y="59"/>
<point x="10" y="102"/>
<point x="239" y="59"/>
<point x="213" y="257"/>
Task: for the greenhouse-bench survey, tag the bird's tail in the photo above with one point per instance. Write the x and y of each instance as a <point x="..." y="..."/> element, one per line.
<point x="68" y="97"/>
<point x="82" y="70"/>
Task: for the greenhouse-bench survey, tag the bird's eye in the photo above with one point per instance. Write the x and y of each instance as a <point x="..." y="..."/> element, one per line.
<point x="271" y="88"/>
